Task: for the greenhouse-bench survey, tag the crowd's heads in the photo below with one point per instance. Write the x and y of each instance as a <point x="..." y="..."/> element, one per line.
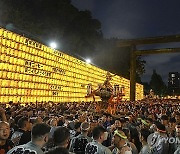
<point x="144" y="123"/>
<point x="177" y="117"/>
<point x="85" y="126"/>
<point x="172" y="122"/>
<point x="127" y="133"/>
<point x="77" y="126"/>
<point x="4" y="130"/>
<point x="61" y="136"/>
<point x="119" y="138"/>
<point x="53" y="122"/>
<point x="40" y="132"/>
<point x="60" y="122"/>
<point x="99" y="133"/>
<point x="23" y="123"/>
<point x="160" y="127"/>
<point x="70" y="125"/>
<point x="38" y="120"/>
<point x="117" y="123"/>
<point x="164" y="119"/>
<point x="178" y="130"/>
<point x="104" y="118"/>
<point x="149" y="120"/>
<point x="123" y="121"/>
<point x="144" y="134"/>
<point x="46" y="120"/>
<point x="58" y="150"/>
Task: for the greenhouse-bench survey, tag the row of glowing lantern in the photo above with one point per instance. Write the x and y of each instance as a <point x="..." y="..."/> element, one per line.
<point x="25" y="99"/>
<point x="13" y="48"/>
<point x="8" y="38"/>
<point x="26" y="79"/>
<point x="48" y="65"/>
<point x="32" y="92"/>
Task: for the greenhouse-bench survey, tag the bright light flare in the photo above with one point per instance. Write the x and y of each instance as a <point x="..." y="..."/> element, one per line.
<point x="88" y="60"/>
<point x="53" y="45"/>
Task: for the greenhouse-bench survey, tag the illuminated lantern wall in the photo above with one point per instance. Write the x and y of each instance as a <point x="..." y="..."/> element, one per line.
<point x="30" y="72"/>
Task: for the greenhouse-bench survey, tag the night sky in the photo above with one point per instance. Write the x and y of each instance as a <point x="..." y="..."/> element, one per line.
<point x="130" y="19"/>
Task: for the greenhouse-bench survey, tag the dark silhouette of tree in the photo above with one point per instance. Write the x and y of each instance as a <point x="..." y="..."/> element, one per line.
<point x="157" y="84"/>
<point x="147" y="88"/>
<point x="58" y="20"/>
<point x="76" y="32"/>
<point x="117" y="60"/>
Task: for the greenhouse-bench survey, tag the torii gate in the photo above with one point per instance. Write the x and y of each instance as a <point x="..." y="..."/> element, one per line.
<point x="135" y="53"/>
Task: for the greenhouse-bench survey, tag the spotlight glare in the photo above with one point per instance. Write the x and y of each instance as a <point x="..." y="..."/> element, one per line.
<point x="53" y="45"/>
<point x="88" y="61"/>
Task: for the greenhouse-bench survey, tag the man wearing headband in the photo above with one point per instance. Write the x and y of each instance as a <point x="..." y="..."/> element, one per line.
<point x="78" y="144"/>
<point x="121" y="144"/>
<point x="160" y="137"/>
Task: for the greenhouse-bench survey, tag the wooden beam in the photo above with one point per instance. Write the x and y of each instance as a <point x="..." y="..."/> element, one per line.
<point x="157" y="51"/>
<point x="150" y="40"/>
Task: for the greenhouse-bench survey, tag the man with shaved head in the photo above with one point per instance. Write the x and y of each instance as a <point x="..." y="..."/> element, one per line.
<point x="5" y="143"/>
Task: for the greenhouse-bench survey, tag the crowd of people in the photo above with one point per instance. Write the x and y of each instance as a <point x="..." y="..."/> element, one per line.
<point x="139" y="127"/>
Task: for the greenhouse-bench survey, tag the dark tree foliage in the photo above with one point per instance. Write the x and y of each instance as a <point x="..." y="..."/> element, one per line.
<point x="117" y="60"/>
<point x="147" y="88"/>
<point x="157" y="84"/>
<point x="76" y="32"/>
<point x="57" y="20"/>
<point x="140" y="68"/>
